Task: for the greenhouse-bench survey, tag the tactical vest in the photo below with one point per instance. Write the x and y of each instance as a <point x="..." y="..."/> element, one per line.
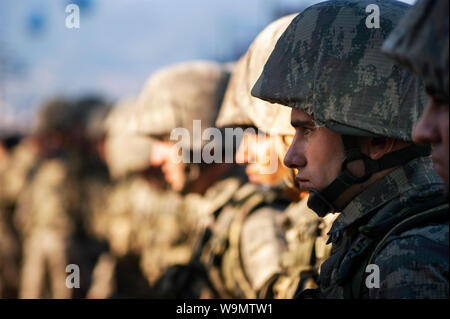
<point x="375" y="235"/>
<point x="222" y="254"/>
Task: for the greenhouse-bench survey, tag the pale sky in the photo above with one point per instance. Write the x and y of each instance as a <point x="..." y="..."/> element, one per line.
<point x="119" y="44"/>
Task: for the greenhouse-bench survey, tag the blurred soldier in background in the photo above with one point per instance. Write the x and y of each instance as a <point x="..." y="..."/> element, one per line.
<point x="66" y="183"/>
<point x="262" y="246"/>
<point x="137" y="195"/>
<point x="353" y="111"/>
<point x="172" y="99"/>
<point x="420" y="42"/>
<point x="9" y="239"/>
<point x="42" y="213"/>
<point x="90" y="180"/>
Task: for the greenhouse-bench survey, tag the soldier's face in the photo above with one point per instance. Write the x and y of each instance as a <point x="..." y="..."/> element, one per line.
<point x="317" y="153"/>
<point x="174" y="173"/>
<point x="432" y="128"/>
<point x="259" y="154"/>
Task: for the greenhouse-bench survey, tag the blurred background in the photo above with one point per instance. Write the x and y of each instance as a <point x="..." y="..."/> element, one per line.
<point x="120" y="43"/>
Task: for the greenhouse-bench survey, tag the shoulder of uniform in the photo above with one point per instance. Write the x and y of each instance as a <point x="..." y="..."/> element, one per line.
<point x="52" y="172"/>
<point x="414" y="264"/>
<point x="419" y="246"/>
<point x="218" y="195"/>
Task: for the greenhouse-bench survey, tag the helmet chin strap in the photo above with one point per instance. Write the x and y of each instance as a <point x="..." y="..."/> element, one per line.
<point x="322" y="201"/>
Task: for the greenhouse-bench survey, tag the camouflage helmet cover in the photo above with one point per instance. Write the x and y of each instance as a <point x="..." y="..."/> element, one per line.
<point x="239" y="106"/>
<point x="126" y="151"/>
<point x="176" y="96"/>
<point x="329" y="63"/>
<point x="421" y="42"/>
<point x="122" y="118"/>
<point x="95" y="125"/>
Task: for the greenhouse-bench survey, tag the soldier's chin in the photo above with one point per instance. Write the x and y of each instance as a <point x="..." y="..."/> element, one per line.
<point x="176" y="186"/>
<point x="254" y="178"/>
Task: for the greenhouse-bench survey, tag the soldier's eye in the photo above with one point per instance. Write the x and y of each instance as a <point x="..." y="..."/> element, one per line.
<point x="307" y="130"/>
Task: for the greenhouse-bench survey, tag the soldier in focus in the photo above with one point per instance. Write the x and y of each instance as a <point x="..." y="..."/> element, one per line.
<point x="353" y="112"/>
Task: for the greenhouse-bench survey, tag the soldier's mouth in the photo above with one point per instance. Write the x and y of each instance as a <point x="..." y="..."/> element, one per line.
<point x="302" y="181"/>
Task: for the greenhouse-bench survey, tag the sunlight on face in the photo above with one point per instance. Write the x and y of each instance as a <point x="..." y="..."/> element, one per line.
<point x="260" y="154"/>
<point x="163" y="155"/>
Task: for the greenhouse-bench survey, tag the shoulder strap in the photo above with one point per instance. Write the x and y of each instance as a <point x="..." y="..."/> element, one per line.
<point x="352" y="289"/>
<point x="241" y="279"/>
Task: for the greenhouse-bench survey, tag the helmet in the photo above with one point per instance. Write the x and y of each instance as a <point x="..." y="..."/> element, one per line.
<point x="176" y="96"/>
<point x="126" y="151"/>
<point x="239" y="107"/>
<point x="89" y="113"/>
<point x="328" y="62"/>
<point x="95" y="125"/>
<point x="420" y="42"/>
<point x="53" y="116"/>
<point x="122" y="117"/>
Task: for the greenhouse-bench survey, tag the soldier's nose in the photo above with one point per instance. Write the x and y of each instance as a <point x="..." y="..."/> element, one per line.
<point x="156" y="159"/>
<point x="425" y="130"/>
<point x="289" y="158"/>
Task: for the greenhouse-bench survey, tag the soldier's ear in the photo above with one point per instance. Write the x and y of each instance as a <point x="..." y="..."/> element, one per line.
<point x="378" y="147"/>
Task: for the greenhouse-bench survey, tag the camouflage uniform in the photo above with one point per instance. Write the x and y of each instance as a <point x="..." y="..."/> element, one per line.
<point x="90" y="184"/>
<point x="116" y="216"/>
<point x="15" y="176"/>
<point x="189" y="277"/>
<point x="127" y="224"/>
<point x="9" y="239"/>
<point x="13" y="180"/>
<point x="45" y="225"/>
<point x="43" y="207"/>
<point x="329" y="64"/>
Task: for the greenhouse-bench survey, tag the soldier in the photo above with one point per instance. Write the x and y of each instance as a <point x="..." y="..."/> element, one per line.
<point x="171" y="101"/>
<point x="90" y="181"/>
<point x="9" y="239"/>
<point x="353" y="111"/>
<point x="21" y="160"/>
<point x="270" y="244"/>
<point x="42" y="212"/>
<point x="420" y="42"/>
<point x="18" y="163"/>
<point x="131" y="204"/>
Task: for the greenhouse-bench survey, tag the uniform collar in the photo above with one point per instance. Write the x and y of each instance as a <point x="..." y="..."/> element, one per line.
<point x="405" y="181"/>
